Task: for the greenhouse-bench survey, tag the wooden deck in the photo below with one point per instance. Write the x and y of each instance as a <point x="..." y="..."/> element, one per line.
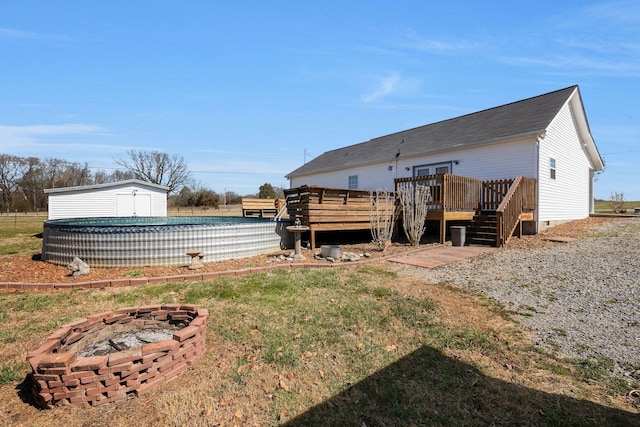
<point x="452" y="198"/>
<point x="329" y="209"/>
<point x="261" y="208"/>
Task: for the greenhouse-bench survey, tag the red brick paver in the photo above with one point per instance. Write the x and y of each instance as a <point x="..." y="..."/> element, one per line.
<point x="441" y="255"/>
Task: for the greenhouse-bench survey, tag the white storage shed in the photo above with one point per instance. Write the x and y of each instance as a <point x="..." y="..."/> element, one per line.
<point x="132" y="197"/>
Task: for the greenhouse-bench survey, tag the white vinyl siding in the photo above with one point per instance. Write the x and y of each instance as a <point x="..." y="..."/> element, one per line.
<point x="81" y="204"/>
<point x="369" y="178"/>
<point x="494" y="161"/>
<point x="108" y="202"/>
<point x="567" y="196"/>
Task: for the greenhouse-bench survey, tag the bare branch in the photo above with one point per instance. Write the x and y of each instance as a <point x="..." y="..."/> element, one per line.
<point x="413" y="199"/>
<point x="157" y="168"/>
<point x="382" y="216"/>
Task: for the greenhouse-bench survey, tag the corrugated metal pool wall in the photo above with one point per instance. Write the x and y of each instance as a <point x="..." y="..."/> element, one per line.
<point x="112" y="245"/>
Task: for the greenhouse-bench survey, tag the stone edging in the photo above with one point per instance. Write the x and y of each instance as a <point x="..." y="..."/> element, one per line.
<point x="136" y="281"/>
<point x="193" y="277"/>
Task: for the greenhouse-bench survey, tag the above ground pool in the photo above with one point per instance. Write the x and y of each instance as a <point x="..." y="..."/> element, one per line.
<point x="147" y="241"/>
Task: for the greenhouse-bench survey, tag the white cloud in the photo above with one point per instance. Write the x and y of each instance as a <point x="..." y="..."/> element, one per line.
<point x="243" y="167"/>
<point x="385" y="86"/>
<point x="33" y="130"/>
<point x="12" y="34"/>
<point x="598" y="40"/>
<point x="617" y="12"/>
<point x="31" y="133"/>
<point x="34" y="140"/>
<point x="576" y="64"/>
<point x="411" y="40"/>
<point x="389" y="85"/>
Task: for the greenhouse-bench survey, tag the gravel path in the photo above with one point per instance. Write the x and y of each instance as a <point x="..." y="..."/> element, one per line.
<point x="579" y="299"/>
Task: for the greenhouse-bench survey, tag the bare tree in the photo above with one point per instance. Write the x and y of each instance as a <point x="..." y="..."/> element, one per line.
<point x="30" y="185"/>
<point x="413" y="199"/>
<point x="57" y="173"/>
<point x="12" y="169"/>
<point x="616" y="201"/>
<point x="157" y="168"/>
<point x="382" y="217"/>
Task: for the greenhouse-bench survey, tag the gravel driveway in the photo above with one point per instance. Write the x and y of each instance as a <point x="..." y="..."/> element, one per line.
<point x="579" y="299"/>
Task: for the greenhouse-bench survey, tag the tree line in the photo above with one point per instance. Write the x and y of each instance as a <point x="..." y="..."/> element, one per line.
<point x="24" y="179"/>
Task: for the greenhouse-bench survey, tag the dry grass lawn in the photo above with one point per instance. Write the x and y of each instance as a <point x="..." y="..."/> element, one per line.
<point x="352" y="346"/>
<point x="348" y="346"/>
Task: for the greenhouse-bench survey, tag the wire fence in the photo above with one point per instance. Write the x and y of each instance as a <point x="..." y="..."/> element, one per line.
<point x="226" y="210"/>
<point x="17" y="213"/>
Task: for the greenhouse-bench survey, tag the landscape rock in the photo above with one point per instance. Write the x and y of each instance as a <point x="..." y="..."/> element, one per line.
<point x="78" y="267"/>
<point x="350" y="257"/>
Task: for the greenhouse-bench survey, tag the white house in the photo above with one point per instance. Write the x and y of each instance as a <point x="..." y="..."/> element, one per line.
<point x="132" y="197"/>
<point x="546" y="137"/>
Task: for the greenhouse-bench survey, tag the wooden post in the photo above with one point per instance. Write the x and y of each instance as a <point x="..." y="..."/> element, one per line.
<point x="520" y="228"/>
<point x="443" y="230"/>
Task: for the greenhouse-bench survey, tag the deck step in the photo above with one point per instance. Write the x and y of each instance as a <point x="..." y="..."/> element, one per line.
<point x="483" y="229"/>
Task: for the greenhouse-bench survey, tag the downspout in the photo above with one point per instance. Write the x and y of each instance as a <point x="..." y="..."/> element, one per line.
<point x="536" y="172"/>
<point x="591" y="196"/>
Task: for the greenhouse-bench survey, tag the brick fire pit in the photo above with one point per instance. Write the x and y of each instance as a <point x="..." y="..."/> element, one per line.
<point x="62" y="375"/>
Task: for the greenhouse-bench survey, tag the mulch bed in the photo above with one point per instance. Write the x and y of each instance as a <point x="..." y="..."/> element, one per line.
<point x="28" y="268"/>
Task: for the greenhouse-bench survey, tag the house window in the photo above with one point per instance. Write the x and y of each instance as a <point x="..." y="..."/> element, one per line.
<point x="353" y="181"/>
<point x="552" y="168"/>
<point x="434" y="168"/>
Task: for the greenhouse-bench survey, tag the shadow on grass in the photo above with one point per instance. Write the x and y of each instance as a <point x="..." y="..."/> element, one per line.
<point x="428" y="388"/>
<point x="25" y="390"/>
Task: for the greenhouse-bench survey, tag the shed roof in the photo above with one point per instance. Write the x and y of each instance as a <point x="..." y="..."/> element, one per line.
<point x="530" y="116"/>
<point x="137" y="182"/>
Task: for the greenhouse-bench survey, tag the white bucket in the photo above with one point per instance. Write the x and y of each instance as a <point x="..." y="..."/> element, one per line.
<point x="330" y="251"/>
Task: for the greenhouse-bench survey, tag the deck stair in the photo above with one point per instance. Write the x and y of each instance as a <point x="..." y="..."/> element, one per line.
<point x="483" y="229"/>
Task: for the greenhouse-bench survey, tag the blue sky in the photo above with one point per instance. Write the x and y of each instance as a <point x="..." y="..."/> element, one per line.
<point x="243" y="89"/>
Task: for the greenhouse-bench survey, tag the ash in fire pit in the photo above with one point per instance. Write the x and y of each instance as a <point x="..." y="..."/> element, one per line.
<point x="103" y="358"/>
<point x="126" y="341"/>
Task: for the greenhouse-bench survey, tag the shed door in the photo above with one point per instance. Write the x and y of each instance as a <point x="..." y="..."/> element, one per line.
<point x="132" y="204"/>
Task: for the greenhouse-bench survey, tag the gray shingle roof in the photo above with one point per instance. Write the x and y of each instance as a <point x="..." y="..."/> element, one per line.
<point x="529" y="116"/>
<point x="137" y="182"/>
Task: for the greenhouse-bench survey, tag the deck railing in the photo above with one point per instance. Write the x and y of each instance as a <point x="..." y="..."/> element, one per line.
<point x="326" y="209"/>
<point x="519" y="198"/>
<point x="331" y="209"/>
<point x="448" y="192"/>
<point x="493" y="192"/>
